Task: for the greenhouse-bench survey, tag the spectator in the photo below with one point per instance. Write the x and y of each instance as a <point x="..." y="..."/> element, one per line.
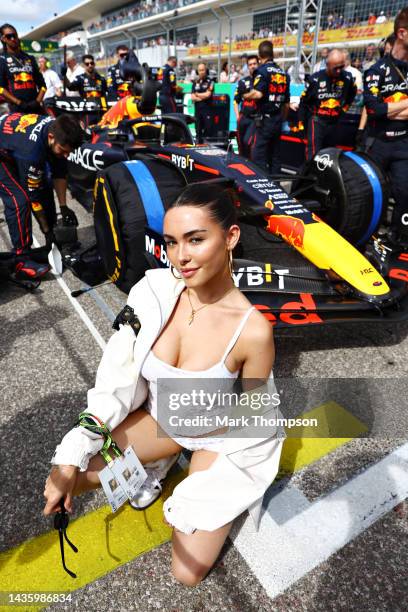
<point x="233" y="74"/>
<point x="321" y="65"/>
<point x="357" y="63"/>
<point x="224" y="78"/>
<point x="51" y="78"/>
<point x="181" y="70"/>
<point x="244" y="67"/>
<point x="301" y="76"/>
<point x="357" y="104"/>
<point x="386" y="48"/>
<point x="372" y="19"/>
<point x="370" y="57"/>
<point x="381" y="18"/>
<point x="73" y="71"/>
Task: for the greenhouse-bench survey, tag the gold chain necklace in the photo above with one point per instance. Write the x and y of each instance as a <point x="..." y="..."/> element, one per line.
<point x="195" y="310"/>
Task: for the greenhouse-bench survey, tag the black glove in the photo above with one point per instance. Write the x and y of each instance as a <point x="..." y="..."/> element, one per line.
<point x="68" y="216"/>
<point x="63" y="70"/>
<point x="360" y="140"/>
<point x="33" y="107"/>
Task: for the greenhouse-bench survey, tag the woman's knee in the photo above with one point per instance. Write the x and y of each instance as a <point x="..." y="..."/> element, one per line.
<point x="189" y="576"/>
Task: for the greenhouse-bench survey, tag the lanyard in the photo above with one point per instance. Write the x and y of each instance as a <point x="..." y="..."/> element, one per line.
<point x="61" y="519"/>
<point x="94" y="424"/>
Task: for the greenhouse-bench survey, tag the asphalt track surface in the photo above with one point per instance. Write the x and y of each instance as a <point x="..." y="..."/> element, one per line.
<point x="334" y="531"/>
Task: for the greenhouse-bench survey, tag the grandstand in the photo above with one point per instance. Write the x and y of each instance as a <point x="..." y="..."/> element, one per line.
<point x="213" y="31"/>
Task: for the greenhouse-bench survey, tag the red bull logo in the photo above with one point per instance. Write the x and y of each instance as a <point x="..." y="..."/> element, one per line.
<point x="93" y="94"/>
<point x="279" y="78"/>
<point x="123" y="90"/>
<point x="397" y="97"/>
<point x="23" y="77"/>
<point x="24" y="80"/>
<point x="25" y="122"/>
<point x="290" y="229"/>
<point x="331" y="103"/>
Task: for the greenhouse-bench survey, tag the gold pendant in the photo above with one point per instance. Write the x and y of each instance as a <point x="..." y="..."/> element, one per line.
<point x="191" y="318"/>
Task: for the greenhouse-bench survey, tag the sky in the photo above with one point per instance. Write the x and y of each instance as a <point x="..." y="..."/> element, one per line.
<point x="26" y="13"/>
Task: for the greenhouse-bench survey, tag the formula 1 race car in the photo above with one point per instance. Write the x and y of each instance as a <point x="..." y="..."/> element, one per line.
<point x="307" y="254"/>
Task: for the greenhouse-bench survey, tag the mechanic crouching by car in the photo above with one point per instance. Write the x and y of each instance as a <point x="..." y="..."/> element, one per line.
<point x="117" y="86"/>
<point x="21" y="83"/>
<point x="201" y="95"/>
<point x="327" y="95"/>
<point x="271" y="93"/>
<point x="28" y="144"/>
<point x="386" y="99"/>
<point x="245" y="110"/>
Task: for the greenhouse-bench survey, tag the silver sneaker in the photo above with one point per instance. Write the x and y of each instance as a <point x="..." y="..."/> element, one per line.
<point x="152" y="486"/>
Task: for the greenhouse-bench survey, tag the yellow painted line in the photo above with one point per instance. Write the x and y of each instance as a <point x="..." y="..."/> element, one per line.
<point x="106" y="541"/>
<point x="336" y="427"/>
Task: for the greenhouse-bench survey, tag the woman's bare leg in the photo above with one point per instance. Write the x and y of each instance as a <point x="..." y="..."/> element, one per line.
<point x="194" y="555"/>
<point x="139" y="430"/>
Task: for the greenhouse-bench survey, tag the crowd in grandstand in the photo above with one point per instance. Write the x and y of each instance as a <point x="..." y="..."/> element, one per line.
<point x="136" y="11"/>
<point x="147" y="8"/>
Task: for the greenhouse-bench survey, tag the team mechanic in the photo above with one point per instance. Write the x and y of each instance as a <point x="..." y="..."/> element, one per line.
<point x="169" y="87"/>
<point x="328" y="94"/>
<point x="117" y="86"/>
<point x="90" y="85"/>
<point x="271" y="91"/>
<point x="21" y="82"/>
<point x="27" y="144"/>
<point x="245" y="110"/>
<point x="386" y="99"/>
<point x="202" y="91"/>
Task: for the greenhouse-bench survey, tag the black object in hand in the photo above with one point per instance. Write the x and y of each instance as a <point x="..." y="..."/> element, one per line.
<point x="61" y="520"/>
<point x="68" y="216"/>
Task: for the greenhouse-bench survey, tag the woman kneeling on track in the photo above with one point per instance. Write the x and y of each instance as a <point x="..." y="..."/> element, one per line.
<point x="195" y="324"/>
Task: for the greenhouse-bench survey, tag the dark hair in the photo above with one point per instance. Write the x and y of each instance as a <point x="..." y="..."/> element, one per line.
<point x="86" y="56"/>
<point x="171" y="58"/>
<point x="401" y="20"/>
<point x="6" y="26"/>
<point x="265" y="50"/>
<point x="219" y="201"/>
<point x="251" y="57"/>
<point x="67" y="131"/>
<point x="119" y="47"/>
<point x="224" y="66"/>
<point x="390" y="40"/>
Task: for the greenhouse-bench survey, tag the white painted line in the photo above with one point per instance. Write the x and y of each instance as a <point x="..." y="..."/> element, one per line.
<point x="285" y="549"/>
<point x="80" y="311"/>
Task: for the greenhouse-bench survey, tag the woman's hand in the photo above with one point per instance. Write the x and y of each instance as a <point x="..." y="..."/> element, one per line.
<point x="60" y="483"/>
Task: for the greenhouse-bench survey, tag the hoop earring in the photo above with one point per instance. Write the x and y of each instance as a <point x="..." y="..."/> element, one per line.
<point x="230" y="263"/>
<point x="172" y="271"/>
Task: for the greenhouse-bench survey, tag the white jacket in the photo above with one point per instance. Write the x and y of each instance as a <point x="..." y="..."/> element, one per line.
<point x="120" y="389"/>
